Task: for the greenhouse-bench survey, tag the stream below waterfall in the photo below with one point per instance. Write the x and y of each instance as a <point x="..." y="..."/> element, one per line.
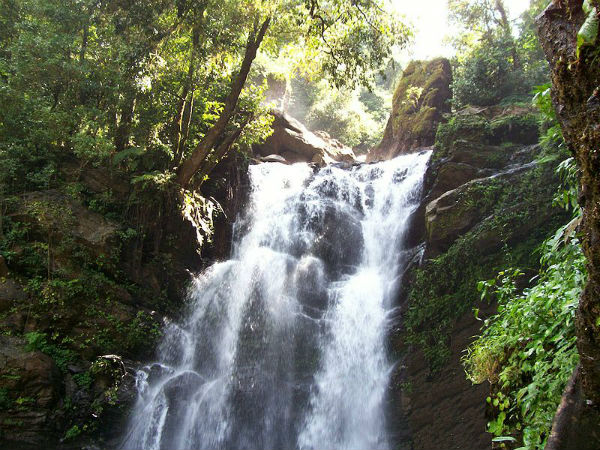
<point x="284" y="345"/>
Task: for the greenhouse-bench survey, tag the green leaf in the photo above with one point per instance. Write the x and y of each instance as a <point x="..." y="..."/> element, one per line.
<point x="128" y="152"/>
<point x="589" y="30"/>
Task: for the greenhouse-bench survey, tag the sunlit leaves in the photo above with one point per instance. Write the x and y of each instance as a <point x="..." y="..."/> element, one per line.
<point x="588" y="33"/>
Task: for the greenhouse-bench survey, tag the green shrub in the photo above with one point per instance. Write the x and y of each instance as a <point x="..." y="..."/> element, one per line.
<point x="486" y="75"/>
<point x="72" y="432"/>
<point x="528" y="349"/>
<point x="37" y="341"/>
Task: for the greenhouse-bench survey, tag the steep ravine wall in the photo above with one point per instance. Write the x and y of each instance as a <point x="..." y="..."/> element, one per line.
<point x="486" y="206"/>
<point x="71" y="339"/>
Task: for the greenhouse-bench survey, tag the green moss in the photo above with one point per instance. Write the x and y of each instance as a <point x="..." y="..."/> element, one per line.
<point x="445" y="288"/>
<point x="517" y="128"/>
<point x="420" y="100"/>
<point x="469" y="127"/>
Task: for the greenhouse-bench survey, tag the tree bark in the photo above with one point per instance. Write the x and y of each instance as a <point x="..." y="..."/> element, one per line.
<point x="572" y="417"/>
<point x="576" y="97"/>
<point x="190" y="166"/>
<point x="220" y="152"/>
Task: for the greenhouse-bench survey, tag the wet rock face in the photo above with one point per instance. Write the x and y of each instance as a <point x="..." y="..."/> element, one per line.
<point x="293" y="142"/>
<point x="311" y="286"/>
<point x="25" y="420"/>
<point x="420" y="100"/>
<point x="339" y="241"/>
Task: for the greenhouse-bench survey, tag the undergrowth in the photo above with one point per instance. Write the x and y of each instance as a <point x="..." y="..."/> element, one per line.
<point x="527" y="350"/>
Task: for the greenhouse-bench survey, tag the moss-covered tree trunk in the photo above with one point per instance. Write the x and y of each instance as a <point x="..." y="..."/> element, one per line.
<point x="576" y="96"/>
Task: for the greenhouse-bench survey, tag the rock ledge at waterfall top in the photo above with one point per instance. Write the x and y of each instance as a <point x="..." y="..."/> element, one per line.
<point x="293" y="142"/>
<point x="420" y="101"/>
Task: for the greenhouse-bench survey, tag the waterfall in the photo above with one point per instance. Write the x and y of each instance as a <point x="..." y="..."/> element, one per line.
<point x="284" y="345"/>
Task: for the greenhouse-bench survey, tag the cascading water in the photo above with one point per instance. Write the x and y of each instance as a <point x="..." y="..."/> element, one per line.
<point x="284" y="344"/>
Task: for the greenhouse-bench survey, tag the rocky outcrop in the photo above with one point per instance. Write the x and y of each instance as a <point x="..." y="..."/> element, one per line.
<point x="25" y="420"/>
<point x="86" y="278"/>
<point x="468" y="173"/>
<point x="576" y="95"/>
<point x="54" y="212"/>
<point x="420" y="102"/>
<point x="485" y="207"/>
<point x="292" y="141"/>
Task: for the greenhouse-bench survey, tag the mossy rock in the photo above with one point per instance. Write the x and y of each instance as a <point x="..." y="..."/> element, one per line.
<point x="460" y="128"/>
<point x="420" y="101"/>
<point x="515" y="128"/>
<point x="501" y="131"/>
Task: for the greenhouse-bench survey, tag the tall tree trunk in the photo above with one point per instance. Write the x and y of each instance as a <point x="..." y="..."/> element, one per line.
<point x="181" y="122"/>
<point x="576" y="97"/>
<point x="505" y="23"/>
<point x="221" y="151"/>
<point x="191" y="165"/>
<point x="185" y="104"/>
<point x="126" y="119"/>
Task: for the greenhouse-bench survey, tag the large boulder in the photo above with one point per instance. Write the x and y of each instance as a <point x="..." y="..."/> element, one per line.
<point x="454" y="213"/>
<point x="30" y="388"/>
<point x="420" y="101"/>
<point x="53" y="212"/>
<point x="295" y="143"/>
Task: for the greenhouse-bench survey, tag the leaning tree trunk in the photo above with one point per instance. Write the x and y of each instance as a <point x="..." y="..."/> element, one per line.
<point x="576" y="97"/>
<point x="193" y="163"/>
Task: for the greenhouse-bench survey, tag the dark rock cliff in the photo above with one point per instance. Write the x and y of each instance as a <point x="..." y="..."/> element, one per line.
<point x="486" y="206"/>
<point x="72" y="330"/>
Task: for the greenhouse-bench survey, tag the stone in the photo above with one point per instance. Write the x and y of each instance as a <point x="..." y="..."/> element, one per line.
<point x="420" y="102"/>
<point x="10" y="293"/>
<point x="54" y="210"/>
<point x="457" y="211"/>
<point x="339" y="239"/>
<point x="295" y="143"/>
<point x="34" y="378"/>
<point x="311" y="285"/>
<point x="274" y="158"/>
<point x="452" y="175"/>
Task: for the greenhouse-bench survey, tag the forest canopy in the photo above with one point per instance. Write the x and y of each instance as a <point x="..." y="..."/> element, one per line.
<point x="163" y="87"/>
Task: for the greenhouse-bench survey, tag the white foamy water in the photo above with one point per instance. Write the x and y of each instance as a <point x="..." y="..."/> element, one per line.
<point x="284" y="344"/>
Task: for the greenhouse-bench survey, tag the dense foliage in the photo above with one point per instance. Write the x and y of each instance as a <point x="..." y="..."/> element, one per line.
<point x="143" y="87"/>
<point x="497" y="60"/>
<point x="527" y="350"/>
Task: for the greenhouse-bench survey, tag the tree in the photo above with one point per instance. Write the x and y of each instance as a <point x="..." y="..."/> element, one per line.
<point x="349" y="38"/>
<point x="162" y="87"/>
<point x="495" y="59"/>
